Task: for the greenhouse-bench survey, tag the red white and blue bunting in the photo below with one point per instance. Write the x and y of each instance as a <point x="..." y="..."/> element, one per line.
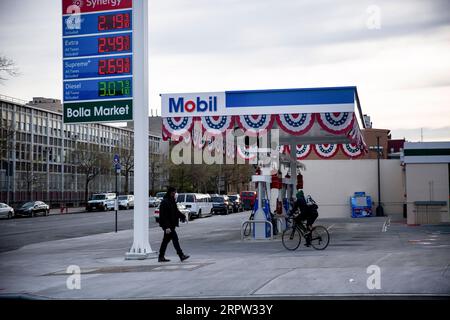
<point x="351" y="150"/>
<point x="337" y="123"/>
<point x="215" y="142"/>
<point x="217" y="124"/>
<point x="255" y="124"/>
<point x="303" y="151"/>
<point x="357" y="138"/>
<point x="177" y="126"/>
<point x="284" y="149"/>
<point x="326" y="151"/>
<point x="295" y="124"/>
<point x="247" y="153"/>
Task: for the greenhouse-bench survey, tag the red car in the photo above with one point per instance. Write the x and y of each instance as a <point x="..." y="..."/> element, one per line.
<point x="248" y="199"/>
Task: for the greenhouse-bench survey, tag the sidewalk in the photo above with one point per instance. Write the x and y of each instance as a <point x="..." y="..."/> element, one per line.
<point x="67" y="210"/>
<point x="413" y="261"/>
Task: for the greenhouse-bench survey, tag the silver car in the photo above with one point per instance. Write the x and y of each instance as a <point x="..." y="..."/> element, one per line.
<point x="6" y="211"/>
<point x="126" y="201"/>
<point x="153" y="202"/>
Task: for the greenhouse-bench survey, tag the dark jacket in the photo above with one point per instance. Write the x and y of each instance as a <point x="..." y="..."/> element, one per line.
<point x="301" y="204"/>
<point x="169" y="215"/>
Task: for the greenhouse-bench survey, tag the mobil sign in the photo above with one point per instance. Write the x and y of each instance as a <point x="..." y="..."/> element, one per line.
<point x="193" y="104"/>
<point x="254" y="102"/>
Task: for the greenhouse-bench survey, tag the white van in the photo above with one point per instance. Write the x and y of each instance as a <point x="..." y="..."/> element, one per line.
<point x="199" y="205"/>
<point x="101" y="201"/>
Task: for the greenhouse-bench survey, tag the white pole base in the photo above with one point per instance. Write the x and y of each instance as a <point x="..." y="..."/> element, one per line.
<point x="141" y="256"/>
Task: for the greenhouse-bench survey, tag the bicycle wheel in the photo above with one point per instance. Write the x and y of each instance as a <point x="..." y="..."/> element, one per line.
<point x="291" y="238"/>
<point x="247" y="229"/>
<point x="320" y="238"/>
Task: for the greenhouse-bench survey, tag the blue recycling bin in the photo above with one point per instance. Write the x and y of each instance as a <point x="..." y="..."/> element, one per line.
<point x="361" y="205"/>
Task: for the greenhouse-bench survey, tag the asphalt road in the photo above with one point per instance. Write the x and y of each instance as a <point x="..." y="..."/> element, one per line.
<point x="19" y="232"/>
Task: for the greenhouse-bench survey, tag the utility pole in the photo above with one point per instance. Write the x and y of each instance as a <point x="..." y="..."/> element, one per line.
<point x="117" y="171"/>
<point x="379" y="210"/>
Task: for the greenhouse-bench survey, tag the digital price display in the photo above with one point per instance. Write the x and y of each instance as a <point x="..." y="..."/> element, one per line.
<point x="97" y="67"/>
<point x="97" y="45"/>
<point x="117" y="21"/>
<point x="113" y="44"/>
<point x="98" y="23"/>
<point x="115" y="88"/>
<point x="97" y="60"/>
<point x="98" y="89"/>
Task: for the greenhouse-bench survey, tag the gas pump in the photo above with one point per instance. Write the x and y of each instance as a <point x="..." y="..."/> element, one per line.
<point x="261" y="210"/>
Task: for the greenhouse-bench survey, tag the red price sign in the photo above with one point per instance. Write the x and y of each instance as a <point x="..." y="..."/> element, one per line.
<point x="117" y="21"/>
<point x="83" y="6"/>
<point x="114" y="44"/>
<point x="114" y="66"/>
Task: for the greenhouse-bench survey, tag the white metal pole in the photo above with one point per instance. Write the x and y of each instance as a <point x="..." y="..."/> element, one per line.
<point x="141" y="247"/>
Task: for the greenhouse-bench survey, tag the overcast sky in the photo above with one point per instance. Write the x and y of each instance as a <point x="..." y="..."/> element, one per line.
<point x="395" y="52"/>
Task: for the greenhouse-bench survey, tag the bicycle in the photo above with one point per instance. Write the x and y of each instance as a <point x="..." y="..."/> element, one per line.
<point x="248" y="226"/>
<point x="292" y="236"/>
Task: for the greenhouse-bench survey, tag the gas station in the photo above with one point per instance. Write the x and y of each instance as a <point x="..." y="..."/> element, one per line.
<point x="295" y="119"/>
<point x="105" y="59"/>
<point x="105" y="64"/>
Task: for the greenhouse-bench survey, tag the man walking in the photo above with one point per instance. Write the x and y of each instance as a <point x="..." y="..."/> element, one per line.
<point x="169" y="215"/>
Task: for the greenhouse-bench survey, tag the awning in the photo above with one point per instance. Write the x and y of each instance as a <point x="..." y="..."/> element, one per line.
<point x="319" y="119"/>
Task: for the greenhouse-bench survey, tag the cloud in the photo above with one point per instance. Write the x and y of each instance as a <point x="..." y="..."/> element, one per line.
<point x="401" y="70"/>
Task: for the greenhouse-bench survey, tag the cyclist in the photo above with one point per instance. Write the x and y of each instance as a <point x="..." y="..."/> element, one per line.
<point x="307" y="212"/>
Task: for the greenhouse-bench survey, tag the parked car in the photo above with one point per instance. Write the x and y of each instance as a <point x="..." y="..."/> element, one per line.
<point x="153" y="202"/>
<point x="33" y="208"/>
<point x="221" y="205"/>
<point x="181" y="207"/>
<point x="101" y="201"/>
<point x="126" y="201"/>
<point x="160" y="195"/>
<point x="248" y="199"/>
<point x="6" y="211"/>
<point x="199" y="205"/>
<point x="236" y="202"/>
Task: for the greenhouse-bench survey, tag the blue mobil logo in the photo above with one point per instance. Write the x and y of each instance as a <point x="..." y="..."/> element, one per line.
<point x="182" y="105"/>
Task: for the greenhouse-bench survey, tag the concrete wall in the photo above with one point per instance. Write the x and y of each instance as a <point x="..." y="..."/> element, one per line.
<point x="427" y="182"/>
<point x="332" y="182"/>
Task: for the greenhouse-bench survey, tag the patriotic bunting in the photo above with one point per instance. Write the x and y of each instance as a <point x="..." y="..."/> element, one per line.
<point x="254" y="124"/>
<point x="326" y="151"/>
<point x="217" y="124"/>
<point x="351" y="150"/>
<point x="177" y="126"/>
<point x="303" y="151"/>
<point x="336" y="123"/>
<point x="245" y="152"/>
<point x="296" y="124"/>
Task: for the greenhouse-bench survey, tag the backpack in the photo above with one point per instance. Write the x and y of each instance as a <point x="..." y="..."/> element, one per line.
<point x="312" y="205"/>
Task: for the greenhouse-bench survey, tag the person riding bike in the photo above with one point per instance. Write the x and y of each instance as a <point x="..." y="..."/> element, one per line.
<point x="307" y="212"/>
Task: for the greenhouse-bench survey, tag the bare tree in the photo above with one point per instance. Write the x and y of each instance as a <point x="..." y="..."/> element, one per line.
<point x="8" y="67"/>
<point x="91" y="162"/>
<point x="7" y="135"/>
<point x="29" y="180"/>
<point x="127" y="165"/>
